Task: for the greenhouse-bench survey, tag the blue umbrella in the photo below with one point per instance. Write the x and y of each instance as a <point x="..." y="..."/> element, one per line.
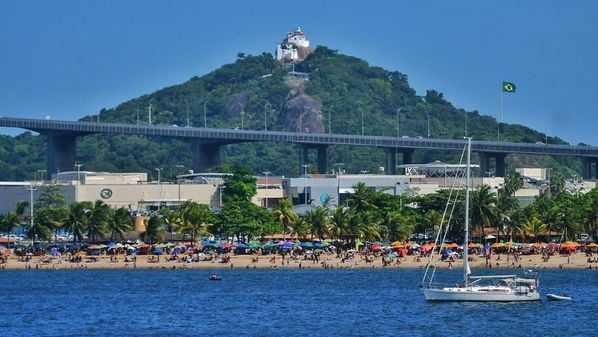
<point x="306" y="244"/>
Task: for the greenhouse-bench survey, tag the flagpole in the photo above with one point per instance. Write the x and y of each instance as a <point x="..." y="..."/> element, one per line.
<point x="501" y="112"/>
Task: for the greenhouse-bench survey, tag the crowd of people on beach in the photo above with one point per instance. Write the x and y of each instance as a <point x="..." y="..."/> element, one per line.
<point x="179" y="255"/>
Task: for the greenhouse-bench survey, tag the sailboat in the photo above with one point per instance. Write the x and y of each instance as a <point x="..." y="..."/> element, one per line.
<point x="490" y="288"/>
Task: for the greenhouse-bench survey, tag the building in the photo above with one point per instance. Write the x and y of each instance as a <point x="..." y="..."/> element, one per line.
<point x="292" y="47"/>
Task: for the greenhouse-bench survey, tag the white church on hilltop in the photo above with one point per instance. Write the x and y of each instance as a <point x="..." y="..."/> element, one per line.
<point x="294" y="47"/>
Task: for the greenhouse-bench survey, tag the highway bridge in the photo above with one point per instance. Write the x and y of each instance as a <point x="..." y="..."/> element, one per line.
<point x="206" y="143"/>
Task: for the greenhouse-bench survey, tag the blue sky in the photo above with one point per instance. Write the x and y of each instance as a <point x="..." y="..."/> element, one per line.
<point x="70" y="58"/>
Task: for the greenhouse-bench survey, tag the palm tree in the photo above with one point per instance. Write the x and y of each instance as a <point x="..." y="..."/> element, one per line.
<point x="339" y="221"/>
<point x="172" y="219"/>
<point x="98" y="220"/>
<point x="363" y="199"/>
<point x="118" y="223"/>
<point x="318" y="222"/>
<point x="534" y="226"/>
<point x="154" y="231"/>
<point x="41" y="226"/>
<point x="285" y="215"/>
<point x="77" y="220"/>
<point x="195" y="219"/>
<point x="483" y="208"/>
<point x="299" y="227"/>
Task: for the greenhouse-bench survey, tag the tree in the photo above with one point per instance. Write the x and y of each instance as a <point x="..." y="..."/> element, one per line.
<point x="98" y="219"/>
<point x="483" y="208"/>
<point x="534" y="226"/>
<point x="339" y="221"/>
<point x="77" y="220"/>
<point x="284" y="214"/>
<point x="41" y="226"/>
<point x="557" y="184"/>
<point x="154" y="231"/>
<point x="241" y="185"/>
<point x="118" y="223"/>
<point x="195" y="219"/>
<point x="362" y="199"/>
<point x="318" y="222"/>
<point x="172" y="219"/>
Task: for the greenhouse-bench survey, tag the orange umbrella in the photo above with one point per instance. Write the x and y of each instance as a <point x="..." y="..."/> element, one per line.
<point x="592" y="245"/>
<point x="497" y="245"/>
<point x="450" y="245"/>
<point x="570" y="244"/>
<point x="474" y="245"/>
<point x="539" y="244"/>
<point x="408" y="244"/>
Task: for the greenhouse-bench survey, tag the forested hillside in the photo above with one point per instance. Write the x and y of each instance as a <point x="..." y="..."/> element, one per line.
<point x="342" y="93"/>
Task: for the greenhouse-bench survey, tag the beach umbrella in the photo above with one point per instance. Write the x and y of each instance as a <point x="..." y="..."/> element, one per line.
<point x="253" y="245"/>
<point x="570" y="244"/>
<point x="497" y="245"/>
<point x="306" y="244"/>
<point x="241" y="245"/>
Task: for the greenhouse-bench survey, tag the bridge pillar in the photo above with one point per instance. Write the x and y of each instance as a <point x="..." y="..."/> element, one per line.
<point x="587" y="168"/>
<point x="499" y="160"/>
<point x="407" y="155"/>
<point x="61" y="153"/>
<point x="500" y="164"/>
<point x="204" y="155"/>
<point x="322" y="158"/>
<point x="391" y="160"/>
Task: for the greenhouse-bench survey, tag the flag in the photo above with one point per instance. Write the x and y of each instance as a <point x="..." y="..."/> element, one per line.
<point x="508" y="87"/>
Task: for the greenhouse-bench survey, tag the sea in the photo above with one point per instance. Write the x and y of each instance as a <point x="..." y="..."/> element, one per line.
<point x="278" y="302"/>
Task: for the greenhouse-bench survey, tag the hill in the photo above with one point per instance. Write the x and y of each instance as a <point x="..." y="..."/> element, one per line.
<point x="328" y="91"/>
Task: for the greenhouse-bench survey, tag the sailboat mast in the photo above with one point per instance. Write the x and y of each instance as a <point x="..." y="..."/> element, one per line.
<point x="466" y="270"/>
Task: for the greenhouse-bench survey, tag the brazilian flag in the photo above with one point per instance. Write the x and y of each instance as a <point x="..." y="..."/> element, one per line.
<point x="508" y="87"/>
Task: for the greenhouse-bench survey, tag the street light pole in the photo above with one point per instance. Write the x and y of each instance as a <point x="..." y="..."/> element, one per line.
<point x="42" y="175"/>
<point x="398" y="130"/>
<point x="78" y="166"/>
<point x="31" y="189"/>
<point x="305" y="166"/>
<point x="265" y="116"/>
<point x="149" y="111"/>
<point x="159" y="169"/>
<point x="178" y="180"/>
<point x="266" y="194"/>
<point x="187" y="102"/>
<point x="205" y="115"/>
<point x="428" y="114"/>
<point x="362" y="128"/>
<point x="330" y="119"/>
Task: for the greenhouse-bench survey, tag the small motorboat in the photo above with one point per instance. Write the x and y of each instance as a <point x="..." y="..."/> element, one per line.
<point x="554" y="297"/>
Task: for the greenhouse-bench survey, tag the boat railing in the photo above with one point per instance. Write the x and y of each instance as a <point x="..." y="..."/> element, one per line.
<point x="437" y="285"/>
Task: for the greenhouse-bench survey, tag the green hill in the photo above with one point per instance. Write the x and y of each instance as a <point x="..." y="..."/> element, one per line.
<point x="358" y="98"/>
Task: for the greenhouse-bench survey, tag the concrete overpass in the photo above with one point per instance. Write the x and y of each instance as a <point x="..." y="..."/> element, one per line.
<point x="206" y="143"/>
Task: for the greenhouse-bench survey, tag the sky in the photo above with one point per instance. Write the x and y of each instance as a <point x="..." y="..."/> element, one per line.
<point x="70" y="58"/>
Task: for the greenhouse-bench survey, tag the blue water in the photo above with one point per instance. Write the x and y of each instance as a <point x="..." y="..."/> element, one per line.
<point x="376" y="302"/>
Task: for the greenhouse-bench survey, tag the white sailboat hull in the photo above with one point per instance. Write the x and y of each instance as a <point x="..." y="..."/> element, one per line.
<point x="480" y="294"/>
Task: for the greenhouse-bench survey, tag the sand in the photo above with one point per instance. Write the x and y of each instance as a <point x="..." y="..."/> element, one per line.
<point x="573" y="261"/>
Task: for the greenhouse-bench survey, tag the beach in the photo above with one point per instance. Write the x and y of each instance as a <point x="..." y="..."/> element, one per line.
<point x="271" y="261"/>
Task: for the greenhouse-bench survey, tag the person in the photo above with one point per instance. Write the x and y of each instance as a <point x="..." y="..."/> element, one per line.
<point x="213" y="276"/>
